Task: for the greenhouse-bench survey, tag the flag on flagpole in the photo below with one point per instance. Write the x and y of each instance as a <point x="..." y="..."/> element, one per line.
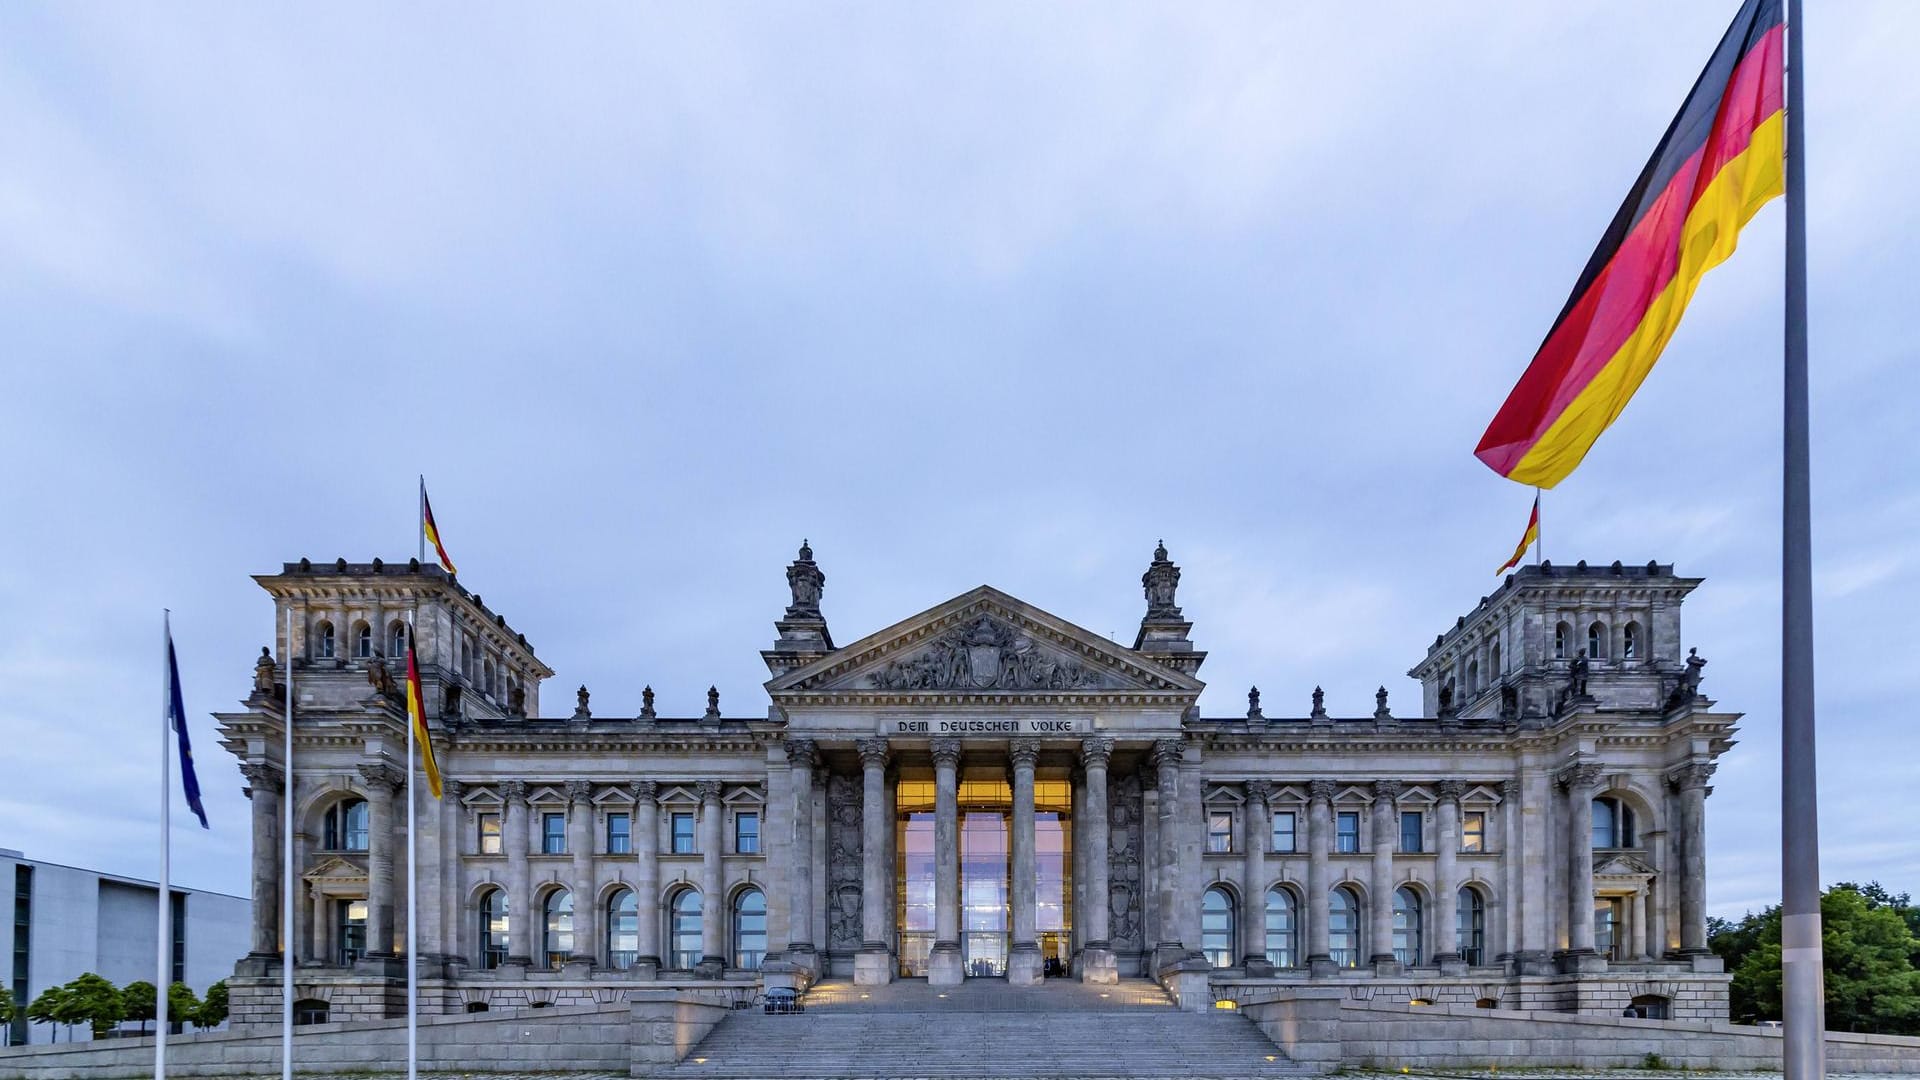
<point x="1722" y="158"/>
<point x="417" y="716"/>
<point x="432" y="531"/>
<point x="177" y="715"/>
<point x="1526" y="538"/>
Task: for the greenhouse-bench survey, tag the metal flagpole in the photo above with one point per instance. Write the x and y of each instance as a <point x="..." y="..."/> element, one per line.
<point x="1539" y="531"/>
<point x="286" y="873"/>
<point x="164" y="936"/>
<point x="1803" y="995"/>
<point x="413" y="900"/>
<point x="421" y="532"/>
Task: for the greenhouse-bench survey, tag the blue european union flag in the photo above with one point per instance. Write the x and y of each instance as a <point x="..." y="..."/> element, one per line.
<point x="177" y="712"/>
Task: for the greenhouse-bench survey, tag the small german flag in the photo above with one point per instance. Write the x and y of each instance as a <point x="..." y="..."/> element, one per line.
<point x="1722" y="158"/>
<point x="417" y="716"/>
<point x="433" y="531"/>
<point x="1526" y="539"/>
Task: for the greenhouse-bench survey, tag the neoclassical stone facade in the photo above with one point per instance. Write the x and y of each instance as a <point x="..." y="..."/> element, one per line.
<point x="984" y="790"/>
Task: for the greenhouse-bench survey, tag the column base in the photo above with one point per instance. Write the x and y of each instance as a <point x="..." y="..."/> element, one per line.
<point x="1451" y="964"/>
<point x="1257" y="966"/>
<point x="872" y="966"/>
<point x="258" y="965"/>
<point x="1533" y="963"/>
<point x="1385" y="964"/>
<point x="645" y="968"/>
<point x="801" y="957"/>
<point x="1321" y="967"/>
<point x="513" y="970"/>
<point x="1024" y="966"/>
<point x="576" y="969"/>
<point x="943" y="965"/>
<point x="710" y="967"/>
<point x="1098" y="966"/>
<point x="1580" y="961"/>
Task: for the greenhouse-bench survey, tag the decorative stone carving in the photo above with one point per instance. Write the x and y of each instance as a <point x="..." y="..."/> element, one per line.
<point x="514" y="791"/>
<point x="1577" y="676"/>
<point x="1160" y="582"/>
<point x="1446" y="699"/>
<point x="807" y="582"/>
<point x="1380" y="705"/>
<point x="1580" y="777"/>
<point x="1691" y="775"/>
<point x="454" y="790"/>
<point x="945" y="751"/>
<point x="986" y="654"/>
<point x="1253" y="705"/>
<point x="1509" y="702"/>
<point x="646" y="702"/>
<point x="713" y="703"/>
<point x="872" y="752"/>
<point x="517" y="700"/>
<point x="380" y="678"/>
<point x="844" y="868"/>
<point x="263" y="673"/>
<point x="1386" y="789"/>
<point x="1261" y="790"/>
<point x="800" y="753"/>
<point x="579" y="790"/>
<point x="1319" y="704"/>
<point x="1688" y="686"/>
<point x="1165" y="750"/>
<point x="646" y="791"/>
<point x="708" y="790"/>
<point x="380" y="774"/>
<point x="262" y="777"/>
<point x="1124" y="839"/>
<point x="1320" y="791"/>
<point x="1451" y="790"/>
<point x="1023" y="752"/>
<point x="580" y="711"/>
<point x="1096" y="749"/>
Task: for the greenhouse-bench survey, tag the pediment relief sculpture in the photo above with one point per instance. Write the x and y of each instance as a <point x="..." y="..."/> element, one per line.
<point x="1622" y="867"/>
<point x="982" y="655"/>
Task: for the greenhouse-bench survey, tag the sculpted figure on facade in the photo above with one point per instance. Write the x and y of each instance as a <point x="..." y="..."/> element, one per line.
<point x="1123" y="863"/>
<point x="1160" y="582"/>
<point x="844" y="881"/>
<point x="985" y="654"/>
<point x="263" y="673"/>
<point x="380" y="678"/>
<point x="807" y="581"/>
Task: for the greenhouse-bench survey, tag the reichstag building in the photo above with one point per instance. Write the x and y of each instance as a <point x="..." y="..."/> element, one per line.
<point x="984" y="790"/>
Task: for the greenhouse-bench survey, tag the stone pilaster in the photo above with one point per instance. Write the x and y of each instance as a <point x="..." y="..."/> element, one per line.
<point x="452" y="873"/>
<point x="1024" y="967"/>
<point x="264" y="789"/>
<point x="382" y="782"/>
<point x="944" y="967"/>
<point x="586" y="940"/>
<point x="1385" y="831"/>
<point x="873" y="964"/>
<point x="1097" y="964"/>
<point x="1149" y="859"/>
<point x="713" y="893"/>
<point x="1259" y="834"/>
<point x="800" y="950"/>
<point x="513" y="838"/>
<point x="1166" y="757"/>
<point x="1580" y="780"/>
<point x="646" y="878"/>
<point x="1319" y="877"/>
<point x="1690" y="781"/>
<point x="1446" y="879"/>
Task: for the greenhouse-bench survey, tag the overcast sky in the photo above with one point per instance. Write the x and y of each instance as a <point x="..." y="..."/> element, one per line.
<point x="964" y="294"/>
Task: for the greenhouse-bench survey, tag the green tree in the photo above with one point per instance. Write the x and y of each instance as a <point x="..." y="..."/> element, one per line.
<point x="139" y="998"/>
<point x="7" y="1010"/>
<point x="96" y="1003"/>
<point x="1871" y="980"/>
<point x="50" y="1008"/>
<point x="182" y="1006"/>
<point x="213" y="1008"/>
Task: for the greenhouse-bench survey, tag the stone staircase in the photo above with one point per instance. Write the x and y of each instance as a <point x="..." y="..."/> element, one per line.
<point x="985" y="1028"/>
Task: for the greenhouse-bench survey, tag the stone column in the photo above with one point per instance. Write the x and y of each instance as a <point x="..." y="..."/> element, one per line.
<point x="1149" y="862"/>
<point x="586" y="942"/>
<point x="800" y="951"/>
<point x="1385" y="794"/>
<point x="1077" y="844"/>
<point x="1446" y="879"/>
<point x="1254" y="893"/>
<point x="943" y="966"/>
<point x="1165" y="758"/>
<point x="646" y="879"/>
<point x="873" y="964"/>
<point x="1536" y="873"/>
<point x="1691" y="782"/>
<point x="1319" y="877"/>
<point x="1097" y="964"/>
<point x="1024" y="967"/>
<point x="452" y="872"/>
<point x="321" y="952"/>
<point x="1640" y="946"/>
<point x="513" y="837"/>
<point x="1579" y="780"/>
<point x="382" y="780"/>
<point x="264" y="788"/>
<point x="713" y="886"/>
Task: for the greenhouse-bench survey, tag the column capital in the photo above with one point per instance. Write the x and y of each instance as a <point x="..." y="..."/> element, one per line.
<point x="1024" y="752"/>
<point x="800" y="752"/>
<point x="1451" y="790"/>
<point x="1509" y="789"/>
<point x="1096" y="750"/>
<point x="874" y="753"/>
<point x="381" y="777"/>
<point x="1320" y="791"/>
<point x="1260" y="791"/>
<point x="514" y="792"/>
<point x="1168" y="750"/>
<point x="262" y="776"/>
<point x="946" y="752"/>
<point x="708" y="790"/>
<point x="1691" y="775"/>
<point x="453" y="789"/>
<point x="1580" y="777"/>
<point x="645" y="791"/>
<point x="579" y="790"/>
<point x="1386" y="789"/>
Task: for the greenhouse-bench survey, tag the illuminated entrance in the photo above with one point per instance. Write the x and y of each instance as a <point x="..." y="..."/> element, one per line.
<point x="985" y="876"/>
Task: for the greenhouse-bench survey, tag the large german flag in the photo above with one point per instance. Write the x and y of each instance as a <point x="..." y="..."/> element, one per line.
<point x="1721" y="159"/>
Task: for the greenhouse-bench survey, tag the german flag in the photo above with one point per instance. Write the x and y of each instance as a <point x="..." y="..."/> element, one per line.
<point x="417" y="716"/>
<point x="1526" y="538"/>
<point x="432" y="530"/>
<point x="1722" y="158"/>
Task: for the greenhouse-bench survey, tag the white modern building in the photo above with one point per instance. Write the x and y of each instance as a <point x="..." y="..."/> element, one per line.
<point x="68" y="921"/>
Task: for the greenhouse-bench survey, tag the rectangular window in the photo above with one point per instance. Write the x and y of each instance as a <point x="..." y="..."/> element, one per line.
<point x="1473" y="831"/>
<point x="1410" y="821"/>
<point x="683" y="834"/>
<point x="553" y="834"/>
<point x="619" y="834"/>
<point x="490" y="834"/>
<point x="1283" y="832"/>
<point x="1346" y="832"/>
<point x="746" y="834"/>
<point x="350" y="931"/>
<point x="1219" y="832"/>
<point x="1606" y="927"/>
<point x="22" y="943"/>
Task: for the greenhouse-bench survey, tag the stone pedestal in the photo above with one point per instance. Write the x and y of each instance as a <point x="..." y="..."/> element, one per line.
<point x="803" y="959"/>
<point x="1098" y="965"/>
<point x="1024" y="965"/>
<point x="1451" y="965"/>
<point x="645" y="969"/>
<point x="1258" y="968"/>
<point x="1386" y="966"/>
<point x="943" y="965"/>
<point x="1191" y="983"/>
<point x="1580" y="961"/>
<point x="872" y="967"/>
<point x="710" y="967"/>
<point x="1322" y="967"/>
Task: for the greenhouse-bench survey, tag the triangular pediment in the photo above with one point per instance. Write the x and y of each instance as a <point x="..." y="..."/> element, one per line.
<point x="337" y="871"/>
<point x="983" y="644"/>
<point x="1622" y="866"/>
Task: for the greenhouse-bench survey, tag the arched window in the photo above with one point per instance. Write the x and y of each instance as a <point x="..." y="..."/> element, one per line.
<point x="557" y="943"/>
<point x="1613" y="824"/>
<point x="683" y="929"/>
<point x="323" y="641"/>
<point x="309" y="1011"/>
<point x="749" y="929"/>
<point x="1562" y="639"/>
<point x="466" y="661"/>
<point x="493" y="928"/>
<point x="1597" y="640"/>
<point x="396" y="638"/>
<point x="346" y="826"/>
<point x="362" y="641"/>
<point x="487" y="678"/>
<point x="1406" y="926"/>
<point x="1343" y="927"/>
<point x="1473" y="677"/>
<point x="1652" y="1007"/>
<point x="1216" y="926"/>
<point x="476" y="1006"/>
<point x="1493" y="663"/>
<point x="1472" y="920"/>
<point x="1630" y="644"/>
<point x="623" y="930"/>
<point x="1282" y="929"/>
